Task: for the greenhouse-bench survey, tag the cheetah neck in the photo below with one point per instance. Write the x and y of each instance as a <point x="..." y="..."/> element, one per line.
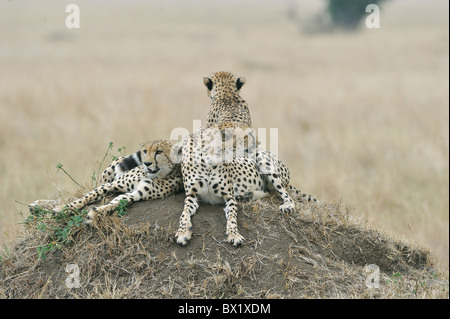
<point x="176" y="170"/>
<point x="229" y="109"/>
<point x="226" y="100"/>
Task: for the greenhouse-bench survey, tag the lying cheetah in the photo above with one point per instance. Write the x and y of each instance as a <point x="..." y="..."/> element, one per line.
<point x="155" y="177"/>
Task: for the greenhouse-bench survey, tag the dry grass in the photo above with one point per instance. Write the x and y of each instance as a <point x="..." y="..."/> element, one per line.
<point x="319" y="252"/>
<point x="361" y="117"/>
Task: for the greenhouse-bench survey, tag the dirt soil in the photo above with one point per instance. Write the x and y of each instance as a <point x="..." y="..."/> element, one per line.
<point x="318" y="252"/>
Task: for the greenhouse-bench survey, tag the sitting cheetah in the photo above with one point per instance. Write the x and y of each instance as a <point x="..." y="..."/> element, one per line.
<point x="227" y="106"/>
<point x="215" y="170"/>
<point x="155" y="177"/>
<point x="214" y="181"/>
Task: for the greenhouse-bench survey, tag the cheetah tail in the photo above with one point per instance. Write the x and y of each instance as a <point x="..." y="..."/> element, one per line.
<point x="302" y="196"/>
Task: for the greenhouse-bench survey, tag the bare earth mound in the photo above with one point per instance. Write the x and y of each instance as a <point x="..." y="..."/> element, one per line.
<point x="318" y="252"/>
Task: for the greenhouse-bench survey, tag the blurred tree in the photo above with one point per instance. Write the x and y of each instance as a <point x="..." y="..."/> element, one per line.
<point x="344" y="15"/>
<point x="348" y="14"/>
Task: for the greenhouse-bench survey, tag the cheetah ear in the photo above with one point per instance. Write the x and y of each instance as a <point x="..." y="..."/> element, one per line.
<point x="240" y="83"/>
<point x="208" y="83"/>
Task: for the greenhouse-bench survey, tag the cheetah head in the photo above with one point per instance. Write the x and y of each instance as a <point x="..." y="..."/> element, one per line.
<point x="156" y="158"/>
<point x="223" y="84"/>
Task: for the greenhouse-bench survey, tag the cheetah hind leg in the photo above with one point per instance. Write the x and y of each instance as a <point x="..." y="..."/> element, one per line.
<point x="273" y="181"/>
<point x="110" y="174"/>
<point x="93" y="196"/>
<point x="109" y="208"/>
<point x="276" y="176"/>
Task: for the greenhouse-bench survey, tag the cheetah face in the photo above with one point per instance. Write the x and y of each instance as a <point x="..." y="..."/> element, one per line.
<point x="156" y="159"/>
<point x="223" y="84"/>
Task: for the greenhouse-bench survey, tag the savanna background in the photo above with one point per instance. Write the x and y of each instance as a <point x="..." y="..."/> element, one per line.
<point x="362" y="116"/>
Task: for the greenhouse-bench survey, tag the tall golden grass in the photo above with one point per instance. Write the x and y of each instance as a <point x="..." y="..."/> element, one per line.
<point x="361" y="117"/>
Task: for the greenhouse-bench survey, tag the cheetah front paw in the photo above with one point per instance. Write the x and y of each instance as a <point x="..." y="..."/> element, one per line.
<point x="183" y="236"/>
<point x="59" y="208"/>
<point x="90" y="217"/>
<point x="235" y="239"/>
<point x="41" y="203"/>
<point x="287" y="208"/>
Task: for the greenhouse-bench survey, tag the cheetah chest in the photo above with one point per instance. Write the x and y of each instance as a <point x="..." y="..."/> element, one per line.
<point x="212" y="185"/>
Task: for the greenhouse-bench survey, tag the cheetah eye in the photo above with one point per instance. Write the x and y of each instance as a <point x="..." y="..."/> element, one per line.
<point x="158" y="152"/>
<point x="145" y="151"/>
